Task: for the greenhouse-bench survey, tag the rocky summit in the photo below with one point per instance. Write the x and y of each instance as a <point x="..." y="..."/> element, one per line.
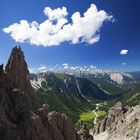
<point x="22" y="117"/>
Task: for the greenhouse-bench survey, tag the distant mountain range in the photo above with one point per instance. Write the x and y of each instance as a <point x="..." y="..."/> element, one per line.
<point x="119" y="78"/>
<point x="57" y="83"/>
<point x="75" y="82"/>
<point x="114" y="82"/>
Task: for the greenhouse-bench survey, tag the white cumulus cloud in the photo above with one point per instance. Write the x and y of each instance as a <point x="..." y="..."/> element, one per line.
<point x="65" y="65"/>
<point x="56" y="13"/>
<point x="42" y="68"/>
<point x="124" y="52"/>
<point x="123" y="64"/>
<point x="92" y="67"/>
<point x="57" y="29"/>
<point x="31" y="70"/>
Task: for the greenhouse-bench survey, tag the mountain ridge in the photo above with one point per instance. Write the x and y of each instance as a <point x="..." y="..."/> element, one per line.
<point x="64" y="83"/>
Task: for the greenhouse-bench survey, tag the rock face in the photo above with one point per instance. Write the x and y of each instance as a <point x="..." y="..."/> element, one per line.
<point x="120" y="123"/>
<point x="18" y="75"/>
<point x="22" y="117"/>
<point x="110" y="121"/>
<point x="17" y="71"/>
<point x="84" y="132"/>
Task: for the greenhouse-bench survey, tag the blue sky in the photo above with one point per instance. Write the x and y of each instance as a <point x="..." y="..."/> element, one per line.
<point x="120" y="32"/>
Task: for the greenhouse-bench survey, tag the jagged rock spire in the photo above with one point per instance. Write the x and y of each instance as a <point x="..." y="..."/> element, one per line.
<point x="17" y="70"/>
<point x="18" y="75"/>
<point x="2" y="77"/>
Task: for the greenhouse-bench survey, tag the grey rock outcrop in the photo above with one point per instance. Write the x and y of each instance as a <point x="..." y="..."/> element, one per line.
<point x="84" y="132"/>
<point x="110" y="121"/>
<point x="121" y="123"/>
<point x="128" y="126"/>
<point x="22" y="117"/>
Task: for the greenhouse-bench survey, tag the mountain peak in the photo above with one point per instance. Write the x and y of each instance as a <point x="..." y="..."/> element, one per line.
<point x="17" y="70"/>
